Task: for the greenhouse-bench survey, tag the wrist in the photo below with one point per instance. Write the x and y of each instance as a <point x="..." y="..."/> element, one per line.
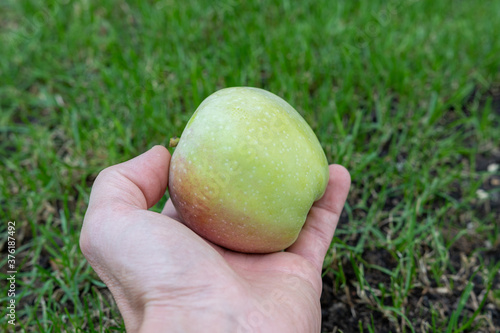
<point x="163" y="318"/>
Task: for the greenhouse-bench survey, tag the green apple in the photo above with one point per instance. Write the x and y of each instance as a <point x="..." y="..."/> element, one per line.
<point x="246" y="171"/>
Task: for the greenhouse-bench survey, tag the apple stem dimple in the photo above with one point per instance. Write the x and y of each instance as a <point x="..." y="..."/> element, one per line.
<point x="173" y="142"/>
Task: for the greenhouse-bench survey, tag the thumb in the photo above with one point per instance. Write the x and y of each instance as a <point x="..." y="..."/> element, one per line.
<point x="139" y="182"/>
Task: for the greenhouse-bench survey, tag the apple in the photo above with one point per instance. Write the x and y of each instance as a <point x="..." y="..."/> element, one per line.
<point x="246" y="171"/>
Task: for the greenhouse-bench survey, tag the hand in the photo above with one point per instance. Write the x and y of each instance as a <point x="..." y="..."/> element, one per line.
<point x="166" y="278"/>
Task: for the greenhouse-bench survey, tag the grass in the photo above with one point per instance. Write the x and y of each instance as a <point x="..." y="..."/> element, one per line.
<point x="404" y="94"/>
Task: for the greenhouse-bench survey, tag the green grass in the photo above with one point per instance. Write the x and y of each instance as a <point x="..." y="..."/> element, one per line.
<point x="404" y="94"/>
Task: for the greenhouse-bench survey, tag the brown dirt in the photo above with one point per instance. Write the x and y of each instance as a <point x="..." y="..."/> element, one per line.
<point x="428" y="306"/>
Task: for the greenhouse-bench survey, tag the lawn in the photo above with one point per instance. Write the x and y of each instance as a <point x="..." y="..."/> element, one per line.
<point x="405" y="94"/>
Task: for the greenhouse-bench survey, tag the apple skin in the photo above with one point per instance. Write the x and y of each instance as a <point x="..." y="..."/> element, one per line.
<point x="246" y="171"/>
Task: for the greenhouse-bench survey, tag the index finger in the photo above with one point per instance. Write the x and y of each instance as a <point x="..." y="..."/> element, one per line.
<point x="316" y="235"/>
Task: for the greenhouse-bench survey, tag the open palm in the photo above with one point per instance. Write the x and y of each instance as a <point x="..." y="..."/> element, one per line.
<point x="164" y="277"/>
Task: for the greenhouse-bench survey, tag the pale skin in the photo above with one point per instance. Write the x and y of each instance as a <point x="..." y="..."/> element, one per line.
<point x="166" y="278"/>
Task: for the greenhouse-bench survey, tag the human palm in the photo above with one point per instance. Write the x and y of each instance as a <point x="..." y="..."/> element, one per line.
<point x="164" y="277"/>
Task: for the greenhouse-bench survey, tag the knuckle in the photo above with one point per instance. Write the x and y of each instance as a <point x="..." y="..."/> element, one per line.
<point x="86" y="245"/>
